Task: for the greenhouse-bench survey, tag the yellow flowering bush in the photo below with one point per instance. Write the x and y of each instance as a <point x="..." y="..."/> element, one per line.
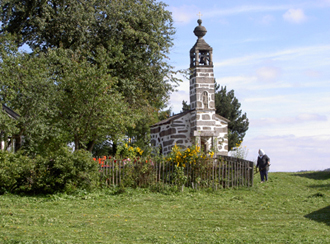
<point x="180" y="158"/>
<point x="127" y="151"/>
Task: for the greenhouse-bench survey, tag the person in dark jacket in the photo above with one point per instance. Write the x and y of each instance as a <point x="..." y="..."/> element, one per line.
<point x="263" y="164"/>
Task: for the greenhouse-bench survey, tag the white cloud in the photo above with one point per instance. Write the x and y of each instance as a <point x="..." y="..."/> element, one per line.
<point x="184" y="14"/>
<point x="288" y="54"/>
<point x="246" y="9"/>
<point x="312" y="73"/>
<point x="176" y="99"/>
<point x="295" y="16"/>
<point x="291" y="153"/>
<point x="300" y="118"/>
<point x="325" y="2"/>
<point x="268" y="73"/>
<point x="267" y="19"/>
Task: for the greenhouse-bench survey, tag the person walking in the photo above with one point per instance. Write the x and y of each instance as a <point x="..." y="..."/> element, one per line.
<point x="263" y="164"/>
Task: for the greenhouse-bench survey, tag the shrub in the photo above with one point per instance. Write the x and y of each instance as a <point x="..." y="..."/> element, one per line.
<point x="58" y="172"/>
<point x="14" y="170"/>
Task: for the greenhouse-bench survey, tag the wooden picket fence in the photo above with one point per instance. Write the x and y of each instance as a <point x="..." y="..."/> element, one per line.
<point x="218" y="173"/>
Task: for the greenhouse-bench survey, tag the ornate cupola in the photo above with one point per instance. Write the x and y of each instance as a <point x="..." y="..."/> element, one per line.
<point x="201" y="52"/>
<point x="201" y="70"/>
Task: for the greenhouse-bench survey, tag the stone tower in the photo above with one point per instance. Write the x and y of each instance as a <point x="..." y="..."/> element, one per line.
<point x="201" y="78"/>
<point x="200" y="125"/>
<point x="208" y="130"/>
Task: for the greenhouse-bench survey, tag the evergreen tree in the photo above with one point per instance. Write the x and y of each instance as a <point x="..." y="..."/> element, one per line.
<point x="185" y="106"/>
<point x="228" y="106"/>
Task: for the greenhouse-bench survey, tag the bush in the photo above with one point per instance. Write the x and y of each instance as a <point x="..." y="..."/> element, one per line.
<point x="61" y="171"/>
<point x="14" y="169"/>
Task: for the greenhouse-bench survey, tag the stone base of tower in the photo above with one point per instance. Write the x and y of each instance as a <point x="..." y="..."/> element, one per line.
<point x="203" y="128"/>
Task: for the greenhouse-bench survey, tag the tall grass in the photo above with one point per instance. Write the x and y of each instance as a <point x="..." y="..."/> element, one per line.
<point x="290" y="208"/>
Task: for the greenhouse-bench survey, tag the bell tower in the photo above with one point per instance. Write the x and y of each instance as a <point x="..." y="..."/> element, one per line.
<point x="201" y="76"/>
<point x="200" y="125"/>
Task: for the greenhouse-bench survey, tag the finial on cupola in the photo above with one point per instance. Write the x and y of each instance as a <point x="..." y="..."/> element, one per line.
<point x="200" y="30"/>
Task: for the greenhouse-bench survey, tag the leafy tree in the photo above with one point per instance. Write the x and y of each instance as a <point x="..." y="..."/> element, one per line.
<point x="8" y="126"/>
<point x="90" y="109"/>
<point x="136" y="35"/>
<point x="120" y="44"/>
<point x="228" y="106"/>
<point x="27" y="88"/>
<point x="62" y="98"/>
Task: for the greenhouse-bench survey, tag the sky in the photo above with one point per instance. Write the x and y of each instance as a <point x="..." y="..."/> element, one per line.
<point x="275" y="55"/>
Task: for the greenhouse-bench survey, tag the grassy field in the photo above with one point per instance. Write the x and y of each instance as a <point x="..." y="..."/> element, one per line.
<point x="290" y="208"/>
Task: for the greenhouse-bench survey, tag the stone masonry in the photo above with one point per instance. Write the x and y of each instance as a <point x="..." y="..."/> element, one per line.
<point x="200" y="125"/>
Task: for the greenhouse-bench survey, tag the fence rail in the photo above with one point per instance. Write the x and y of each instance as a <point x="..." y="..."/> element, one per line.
<point x="218" y="173"/>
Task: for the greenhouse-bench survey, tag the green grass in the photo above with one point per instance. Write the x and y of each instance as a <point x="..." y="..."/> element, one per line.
<point x="290" y="208"/>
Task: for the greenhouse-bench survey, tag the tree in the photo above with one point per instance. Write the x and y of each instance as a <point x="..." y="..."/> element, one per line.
<point x="185" y="106"/>
<point x="27" y="88"/>
<point x="228" y="106"/>
<point x="62" y="98"/>
<point x="90" y="108"/>
<point x="134" y="37"/>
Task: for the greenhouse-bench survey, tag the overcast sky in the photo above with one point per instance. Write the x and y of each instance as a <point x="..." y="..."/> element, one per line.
<point x="275" y="55"/>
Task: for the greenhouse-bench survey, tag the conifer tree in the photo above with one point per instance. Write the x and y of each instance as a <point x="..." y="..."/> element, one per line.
<point x="228" y="106"/>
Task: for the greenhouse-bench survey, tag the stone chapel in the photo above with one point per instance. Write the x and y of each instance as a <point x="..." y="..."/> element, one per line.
<point x="200" y="125"/>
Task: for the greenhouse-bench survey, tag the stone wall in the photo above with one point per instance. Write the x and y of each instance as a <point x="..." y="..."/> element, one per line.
<point x="189" y="128"/>
<point x="208" y="124"/>
<point x="202" y="80"/>
<point x="176" y="131"/>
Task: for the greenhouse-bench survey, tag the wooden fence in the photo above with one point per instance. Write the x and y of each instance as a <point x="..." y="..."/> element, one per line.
<point x="222" y="172"/>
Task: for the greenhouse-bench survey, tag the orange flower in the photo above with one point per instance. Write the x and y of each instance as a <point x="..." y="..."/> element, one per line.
<point x="94" y="159"/>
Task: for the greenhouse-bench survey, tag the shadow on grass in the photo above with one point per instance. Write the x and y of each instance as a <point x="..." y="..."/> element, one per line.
<point x="321" y="187"/>
<point x="322" y="215"/>
<point x="317" y="175"/>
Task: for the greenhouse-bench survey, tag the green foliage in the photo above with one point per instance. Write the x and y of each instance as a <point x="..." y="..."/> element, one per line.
<point x="185" y="106"/>
<point x="91" y="109"/>
<point x="8" y="126"/>
<point x="27" y="87"/>
<point x="190" y="155"/>
<point x="15" y="172"/>
<point x="228" y="106"/>
<point x="98" y="69"/>
<point x="63" y="171"/>
<point x="127" y="151"/>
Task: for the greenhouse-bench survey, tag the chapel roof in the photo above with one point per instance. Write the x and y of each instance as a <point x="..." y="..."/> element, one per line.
<point x="177" y="116"/>
<point x="168" y="120"/>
